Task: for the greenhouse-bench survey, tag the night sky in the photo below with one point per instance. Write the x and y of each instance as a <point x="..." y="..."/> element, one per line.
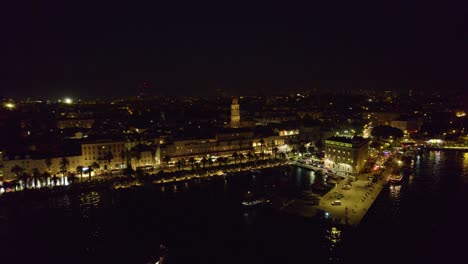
<point x="86" y="49"/>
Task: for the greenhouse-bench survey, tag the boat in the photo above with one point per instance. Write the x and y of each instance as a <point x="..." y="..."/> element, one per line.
<point x="396" y="179"/>
<point x="251" y="201"/>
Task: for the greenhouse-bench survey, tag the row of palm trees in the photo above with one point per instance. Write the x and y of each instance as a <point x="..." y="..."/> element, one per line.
<point x="236" y="157"/>
<point x="37" y="177"/>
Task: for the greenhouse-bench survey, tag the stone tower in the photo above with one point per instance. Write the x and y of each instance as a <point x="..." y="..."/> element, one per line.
<point x="235" y="114"/>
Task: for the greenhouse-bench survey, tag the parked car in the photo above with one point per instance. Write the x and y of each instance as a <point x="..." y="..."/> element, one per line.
<point x="336" y="202"/>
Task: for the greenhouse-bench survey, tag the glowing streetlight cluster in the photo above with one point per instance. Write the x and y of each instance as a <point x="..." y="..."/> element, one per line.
<point x="9" y="105"/>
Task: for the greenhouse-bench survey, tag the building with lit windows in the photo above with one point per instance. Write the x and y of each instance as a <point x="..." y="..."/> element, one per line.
<point x="28" y="163"/>
<point x="235" y="113"/>
<point x="346" y="154"/>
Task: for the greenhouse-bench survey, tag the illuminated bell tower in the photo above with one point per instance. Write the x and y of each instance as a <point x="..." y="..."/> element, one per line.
<point x="235" y="114"/>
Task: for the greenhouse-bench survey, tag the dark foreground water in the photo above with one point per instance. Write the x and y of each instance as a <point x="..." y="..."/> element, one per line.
<point x="423" y="220"/>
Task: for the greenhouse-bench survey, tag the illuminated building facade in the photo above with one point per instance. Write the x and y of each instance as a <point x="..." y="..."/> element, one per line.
<point x="346" y="154"/>
<point x="235" y="113"/>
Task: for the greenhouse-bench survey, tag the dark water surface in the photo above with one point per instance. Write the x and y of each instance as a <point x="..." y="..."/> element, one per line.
<point x="423" y="220"/>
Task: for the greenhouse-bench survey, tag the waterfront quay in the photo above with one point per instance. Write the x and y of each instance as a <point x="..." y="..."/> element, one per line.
<point x="353" y="204"/>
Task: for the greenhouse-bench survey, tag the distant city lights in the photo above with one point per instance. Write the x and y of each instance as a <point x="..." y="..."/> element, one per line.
<point x="68" y="100"/>
<point x="9" y="105"/>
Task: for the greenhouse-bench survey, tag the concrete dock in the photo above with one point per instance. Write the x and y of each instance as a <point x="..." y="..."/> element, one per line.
<point x="354" y="204"/>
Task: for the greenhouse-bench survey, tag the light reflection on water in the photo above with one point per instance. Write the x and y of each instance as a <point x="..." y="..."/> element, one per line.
<point x="333" y="238"/>
<point x="88" y="201"/>
<point x="395" y="191"/>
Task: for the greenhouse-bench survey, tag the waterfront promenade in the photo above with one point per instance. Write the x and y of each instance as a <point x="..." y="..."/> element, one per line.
<point x="354" y="204"/>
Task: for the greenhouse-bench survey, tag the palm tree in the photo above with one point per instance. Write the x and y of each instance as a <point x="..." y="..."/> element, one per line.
<point x="17" y="170"/>
<point x="136" y="154"/>
<point x="90" y="169"/>
<point x="139" y="173"/>
<point x="64" y="162"/>
<point x="154" y="150"/>
<point x="96" y="165"/>
<point x="183" y="162"/>
<point x="204" y="161"/>
<point x="167" y="159"/>
<point x="262" y="143"/>
<point x="128" y="171"/>
<point x="79" y="169"/>
<point x="241" y="157"/>
<point x="293" y="151"/>
<point x="219" y="160"/>
<point x="48" y="162"/>
<point x="249" y="156"/>
<point x="302" y="149"/>
<point x="192" y="162"/>
<point x="283" y="155"/>
<point x="179" y="164"/>
<point x="45" y="176"/>
<point x="109" y="156"/>
<point x="123" y="155"/>
<point x="235" y="156"/>
<point x="275" y="151"/>
<point x="36" y="174"/>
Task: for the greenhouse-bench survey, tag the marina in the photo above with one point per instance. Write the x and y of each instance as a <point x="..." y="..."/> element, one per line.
<point x="215" y="218"/>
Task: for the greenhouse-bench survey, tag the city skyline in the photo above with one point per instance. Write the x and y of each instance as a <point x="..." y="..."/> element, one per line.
<point x="90" y="50"/>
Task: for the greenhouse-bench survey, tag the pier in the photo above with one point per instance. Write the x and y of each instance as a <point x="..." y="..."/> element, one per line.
<point x="354" y="204"/>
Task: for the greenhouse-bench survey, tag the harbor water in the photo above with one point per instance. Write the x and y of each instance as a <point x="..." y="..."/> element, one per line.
<point x="203" y="221"/>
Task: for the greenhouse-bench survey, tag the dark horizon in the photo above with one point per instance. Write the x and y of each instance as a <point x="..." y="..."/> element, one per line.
<point x="86" y="50"/>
